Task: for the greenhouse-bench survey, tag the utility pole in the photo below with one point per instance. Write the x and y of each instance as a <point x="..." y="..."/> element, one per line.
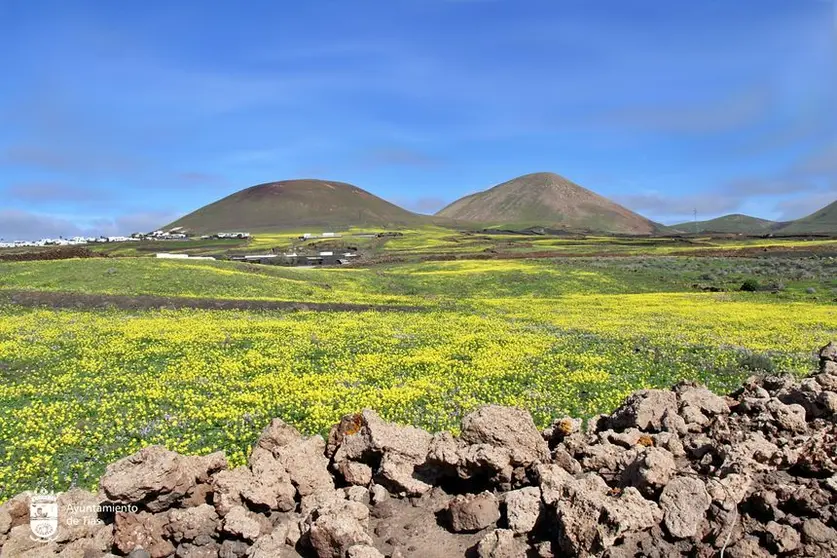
<point x="696" y="225"/>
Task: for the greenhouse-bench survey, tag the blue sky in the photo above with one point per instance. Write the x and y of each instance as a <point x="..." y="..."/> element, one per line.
<point x="120" y="116"/>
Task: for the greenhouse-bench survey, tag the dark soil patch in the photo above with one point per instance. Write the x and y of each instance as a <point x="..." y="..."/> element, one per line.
<point x="142" y="302"/>
<point x="61" y="253"/>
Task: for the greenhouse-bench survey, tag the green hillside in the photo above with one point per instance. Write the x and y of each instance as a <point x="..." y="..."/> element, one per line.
<point x="823" y="221"/>
<point x="728" y="224"/>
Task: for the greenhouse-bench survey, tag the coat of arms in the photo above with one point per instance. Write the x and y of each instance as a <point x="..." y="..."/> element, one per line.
<point x="43" y="516"/>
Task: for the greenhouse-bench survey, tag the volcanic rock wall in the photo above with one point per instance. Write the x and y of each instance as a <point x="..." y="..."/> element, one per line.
<point x="670" y="473"/>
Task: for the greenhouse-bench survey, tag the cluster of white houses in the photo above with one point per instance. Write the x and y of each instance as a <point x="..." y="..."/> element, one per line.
<point x="74" y="241"/>
<point x="294" y="259"/>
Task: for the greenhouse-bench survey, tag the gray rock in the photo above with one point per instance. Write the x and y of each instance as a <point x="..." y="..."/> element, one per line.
<point x="644" y="410"/>
<point x="501" y="543"/>
<point x="191" y="523"/>
<point x="357" y="494"/>
<point x="378" y="494"/>
<point x="702" y="399"/>
<point x="747" y="547"/>
<point x="788" y="417"/>
<point x="508" y="428"/>
<point x="364" y="551"/>
<point x="471" y="513"/>
<point x="142" y="531"/>
<point x="523" y="507"/>
<point x="782" y="537"/>
<point x="651" y="470"/>
<point x="815" y="531"/>
<point x="303" y="459"/>
<point x="579" y="505"/>
<point x="627" y="513"/>
<point x="338" y="528"/>
<point x="355" y="472"/>
<point x="156" y="477"/>
<point x="684" y="501"/>
<point x="239" y="523"/>
<point x="829" y="352"/>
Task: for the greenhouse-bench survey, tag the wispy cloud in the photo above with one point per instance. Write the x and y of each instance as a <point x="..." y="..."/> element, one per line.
<point x="27" y="225"/>
<point x="733" y="113"/>
<point x="46" y="192"/>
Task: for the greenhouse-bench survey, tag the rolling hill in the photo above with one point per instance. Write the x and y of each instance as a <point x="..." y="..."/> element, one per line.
<point x="729" y="224"/>
<point x="297" y="204"/>
<point x="823" y="221"/>
<point x="549" y="200"/>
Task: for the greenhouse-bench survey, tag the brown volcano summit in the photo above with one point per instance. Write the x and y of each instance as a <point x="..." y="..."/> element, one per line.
<point x="547" y="200"/>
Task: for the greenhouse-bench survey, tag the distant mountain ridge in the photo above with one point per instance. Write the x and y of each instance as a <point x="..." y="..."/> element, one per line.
<point x="543" y="200"/>
<point x="547" y="199"/>
<point x="729" y="224"/>
<point x="823" y="221"/>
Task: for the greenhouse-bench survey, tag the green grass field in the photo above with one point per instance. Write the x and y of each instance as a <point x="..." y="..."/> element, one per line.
<point x="80" y="387"/>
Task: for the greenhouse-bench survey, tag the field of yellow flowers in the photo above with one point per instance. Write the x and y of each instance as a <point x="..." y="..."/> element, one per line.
<point x="80" y="388"/>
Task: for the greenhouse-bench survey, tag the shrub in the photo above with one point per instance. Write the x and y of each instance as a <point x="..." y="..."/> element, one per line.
<point x="750" y="286"/>
<point x="757" y="362"/>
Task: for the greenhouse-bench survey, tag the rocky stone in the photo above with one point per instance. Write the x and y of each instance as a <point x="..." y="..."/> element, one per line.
<point x="192" y="523"/>
<point x="142" y="531"/>
<point x="239" y="523"/>
<point x="338" y="528"/>
<point x="644" y="410"/>
<point x="684" y="502"/>
<point x="364" y="551"/>
<point x="483" y="460"/>
<point x="471" y="513"/>
<point x="303" y="459"/>
<point x="501" y="543"/>
<point x="818" y="456"/>
<point x="748" y="547"/>
<point x="157" y="478"/>
<point x="815" y="531"/>
<point x="788" y="417"/>
<point x="270" y="486"/>
<point x="702" y="399"/>
<point x="829" y="352"/>
<point x="782" y="538"/>
<point x="399" y="472"/>
<point x="378" y="494"/>
<point x="627" y="513"/>
<point x="650" y="471"/>
<point x="357" y="494"/>
<point x="508" y="428"/>
<point x="523" y="508"/>
<point x="579" y="505"/>
<point x="357" y="473"/>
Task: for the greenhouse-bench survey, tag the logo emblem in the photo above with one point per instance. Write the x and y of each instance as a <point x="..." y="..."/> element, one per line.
<point x="43" y="516"/>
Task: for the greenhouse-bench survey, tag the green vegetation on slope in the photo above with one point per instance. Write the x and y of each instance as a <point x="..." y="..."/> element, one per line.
<point x="823" y="221"/>
<point x="732" y="224"/>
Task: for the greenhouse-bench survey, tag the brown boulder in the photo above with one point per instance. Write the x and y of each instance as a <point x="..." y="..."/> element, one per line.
<point x="509" y="428"/>
<point x="156" y="478"/>
<point x="470" y="513"/>
<point x="142" y="531"/>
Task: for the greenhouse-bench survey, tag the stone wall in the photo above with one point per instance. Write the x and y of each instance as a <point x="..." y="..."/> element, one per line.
<point x="670" y="473"/>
